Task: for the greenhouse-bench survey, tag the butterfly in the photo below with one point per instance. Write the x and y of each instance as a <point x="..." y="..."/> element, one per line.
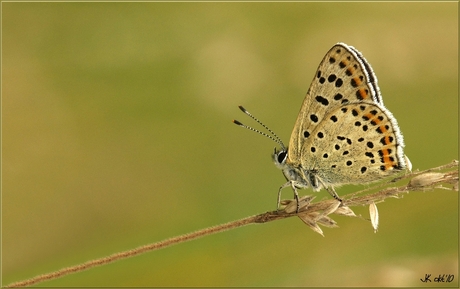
<point x="343" y="133"/>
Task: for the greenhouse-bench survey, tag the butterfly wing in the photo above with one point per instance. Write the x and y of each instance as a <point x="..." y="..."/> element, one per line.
<point x="344" y="81"/>
<point x="356" y="143"/>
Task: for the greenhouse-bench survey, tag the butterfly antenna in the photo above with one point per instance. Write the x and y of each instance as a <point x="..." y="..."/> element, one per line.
<point x="275" y="138"/>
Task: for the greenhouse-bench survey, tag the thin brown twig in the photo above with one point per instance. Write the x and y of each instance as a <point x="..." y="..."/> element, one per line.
<point x="311" y="213"/>
<point x="135" y="252"/>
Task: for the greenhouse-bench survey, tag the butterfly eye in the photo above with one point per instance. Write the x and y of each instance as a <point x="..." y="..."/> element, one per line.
<point x="281" y="158"/>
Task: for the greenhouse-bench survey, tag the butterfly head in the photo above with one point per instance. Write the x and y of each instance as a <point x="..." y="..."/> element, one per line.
<point x="280" y="157"/>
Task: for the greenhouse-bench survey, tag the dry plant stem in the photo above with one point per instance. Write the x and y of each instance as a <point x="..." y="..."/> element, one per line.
<point x="135" y="252"/>
<point x="450" y="177"/>
<point x="262" y="218"/>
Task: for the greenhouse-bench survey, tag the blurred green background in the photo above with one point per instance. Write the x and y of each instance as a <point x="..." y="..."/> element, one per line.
<point x="117" y="133"/>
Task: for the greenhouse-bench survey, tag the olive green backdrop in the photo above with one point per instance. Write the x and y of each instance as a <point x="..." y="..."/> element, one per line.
<point x="116" y="133"/>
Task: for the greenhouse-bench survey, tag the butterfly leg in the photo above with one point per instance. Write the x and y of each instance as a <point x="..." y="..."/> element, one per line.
<point x="332" y="192"/>
<point x="296" y="195"/>
<point x="329" y="189"/>
<point x="279" y="194"/>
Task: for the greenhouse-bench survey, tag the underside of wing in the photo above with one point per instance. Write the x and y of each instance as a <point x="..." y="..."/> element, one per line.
<point x="357" y="142"/>
<point x="343" y="76"/>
